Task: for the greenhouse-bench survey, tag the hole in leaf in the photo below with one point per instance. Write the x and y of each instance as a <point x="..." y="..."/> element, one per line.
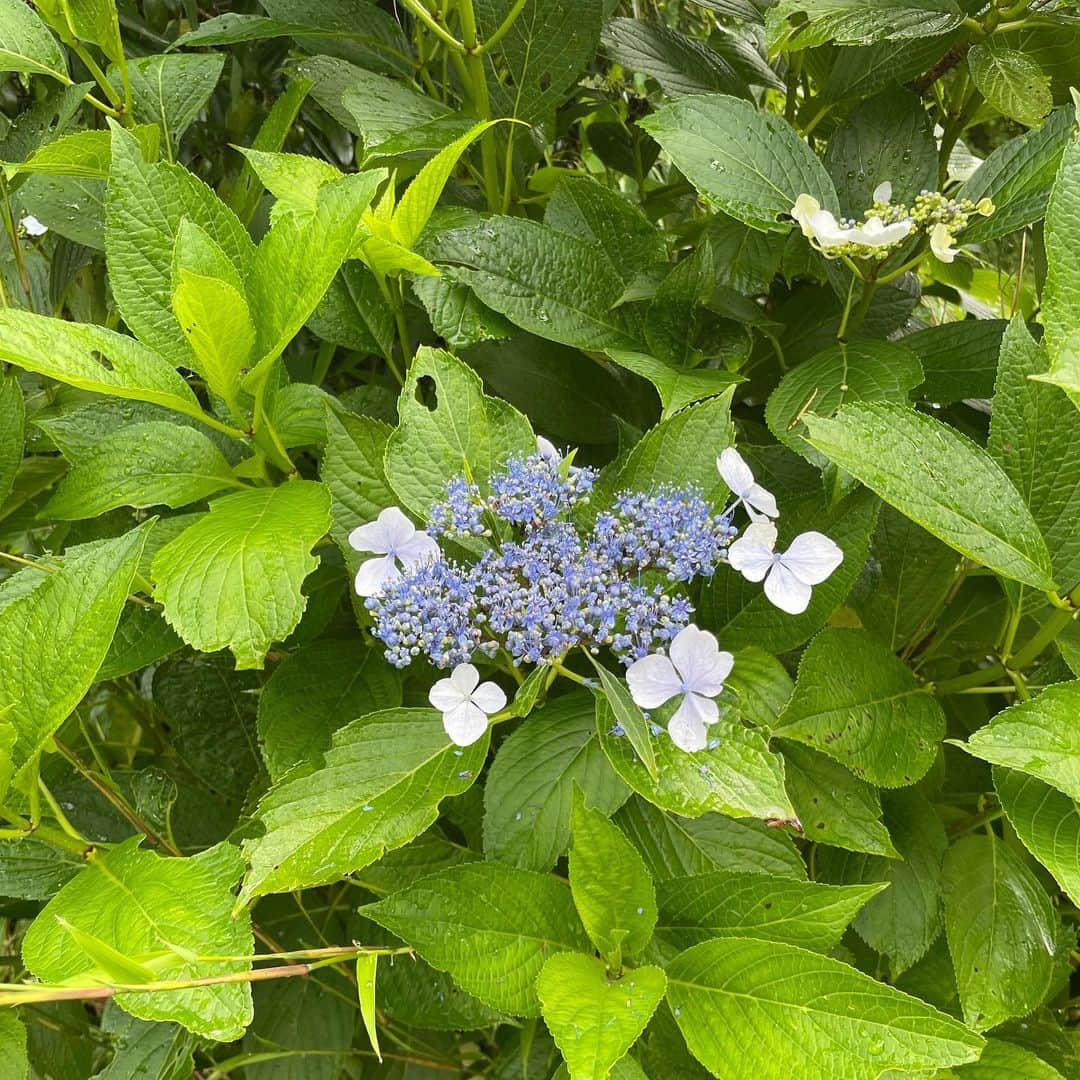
<point x="426" y="394"/>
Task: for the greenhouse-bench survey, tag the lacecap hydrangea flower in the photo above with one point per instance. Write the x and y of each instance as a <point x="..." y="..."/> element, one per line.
<point x="886" y="224"/>
<point x="525" y="581"/>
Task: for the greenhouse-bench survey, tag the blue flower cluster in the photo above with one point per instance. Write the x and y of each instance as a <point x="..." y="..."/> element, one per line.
<point x="544" y="586"/>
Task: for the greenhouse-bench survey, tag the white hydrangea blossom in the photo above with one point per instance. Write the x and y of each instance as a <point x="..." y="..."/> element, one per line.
<point x="399" y="543"/>
<point x="695" y="668"/>
<point x="941" y="243"/>
<point x="466" y="703"/>
<point x="825" y="232"/>
<point x="789" y="575"/>
<point x="738" y="476"/>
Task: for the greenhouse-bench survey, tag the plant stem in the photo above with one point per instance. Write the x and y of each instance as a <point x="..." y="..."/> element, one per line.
<point x="114" y="798"/>
<point x="55" y="837"/>
<point x="1057" y="621"/>
<point x="433" y="25"/>
<point x="504" y="28"/>
<point x="91" y="65"/>
<point x="474" y="66"/>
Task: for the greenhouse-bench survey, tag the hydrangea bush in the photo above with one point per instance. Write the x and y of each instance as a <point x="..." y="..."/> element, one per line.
<point x="539" y="539"/>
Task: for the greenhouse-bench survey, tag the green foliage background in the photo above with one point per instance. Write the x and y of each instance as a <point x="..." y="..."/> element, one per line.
<point x="269" y="269"/>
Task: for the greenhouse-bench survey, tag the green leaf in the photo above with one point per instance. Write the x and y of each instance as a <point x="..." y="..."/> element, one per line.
<point x="583" y="207"/>
<point x="682" y="64"/>
<point x="802" y="24"/>
<point x="144" y="210"/>
<point x="527" y="793"/>
<point x="379" y="107"/>
<point x="680" y="450"/>
<point x="888" y="137"/>
<point x="12" y="432"/>
<point x="86" y="154"/>
<point x="676" y="846"/>
<point x="110" y="965"/>
<point x="264" y="535"/>
<point x="1039" y="737"/>
<point x="550" y="43"/>
<point x="216" y="323"/>
<point x="751" y="1001"/>
<point x="940" y="479"/>
<point x="143" y="637"/>
<point x="170" y="91"/>
<point x="1062" y="291"/>
<point x="1011" y="81"/>
<point x="421" y="196"/>
<point x="165" y="913"/>
<point x="726" y="903"/>
<point x="461" y="429"/>
<point x="149" y="464"/>
<point x="905" y="919"/>
<point x="490" y="926"/>
<point x="14" y="1063"/>
<point x="297" y="260"/>
<point x="859" y="371"/>
<point x="676" y="387"/>
<point x="593" y="1018"/>
<point x="457" y="315"/>
<point x="613" y="891"/>
<point x="749" y="164"/>
<point x="244" y="191"/>
<point x="1047" y="822"/>
<point x="915" y="574"/>
<point x="1001" y="931"/>
<point x="738" y="776"/>
<point x="164" y="1051"/>
<point x="354" y="313"/>
<point x="671" y="319"/>
<point x="855" y="701"/>
<point x="959" y="359"/>
<point x="1017" y="177"/>
<point x="316" y="691"/>
<point x="1035" y="438"/>
<point x="92" y="358"/>
<point x="31" y="869"/>
<point x="381" y="784"/>
<point x="26" y="46"/>
<point x="210" y="709"/>
<point x="549" y="282"/>
<point x="96" y="21"/>
<point x="366" y="968"/>
<point x="628" y="716"/>
<point x="1004" y="1061"/>
<point x="863" y="70"/>
<point x="834" y="807"/>
<point x="69" y="617"/>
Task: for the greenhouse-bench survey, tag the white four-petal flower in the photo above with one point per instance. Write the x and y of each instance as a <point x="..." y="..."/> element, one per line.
<point x="695" y="668"/>
<point x="788" y="575"/>
<point x="738" y="476"/>
<point x="394" y="537"/>
<point x="466" y="703"/>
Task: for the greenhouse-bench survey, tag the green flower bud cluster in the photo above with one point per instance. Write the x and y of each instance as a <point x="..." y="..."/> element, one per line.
<point x="932" y="208"/>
